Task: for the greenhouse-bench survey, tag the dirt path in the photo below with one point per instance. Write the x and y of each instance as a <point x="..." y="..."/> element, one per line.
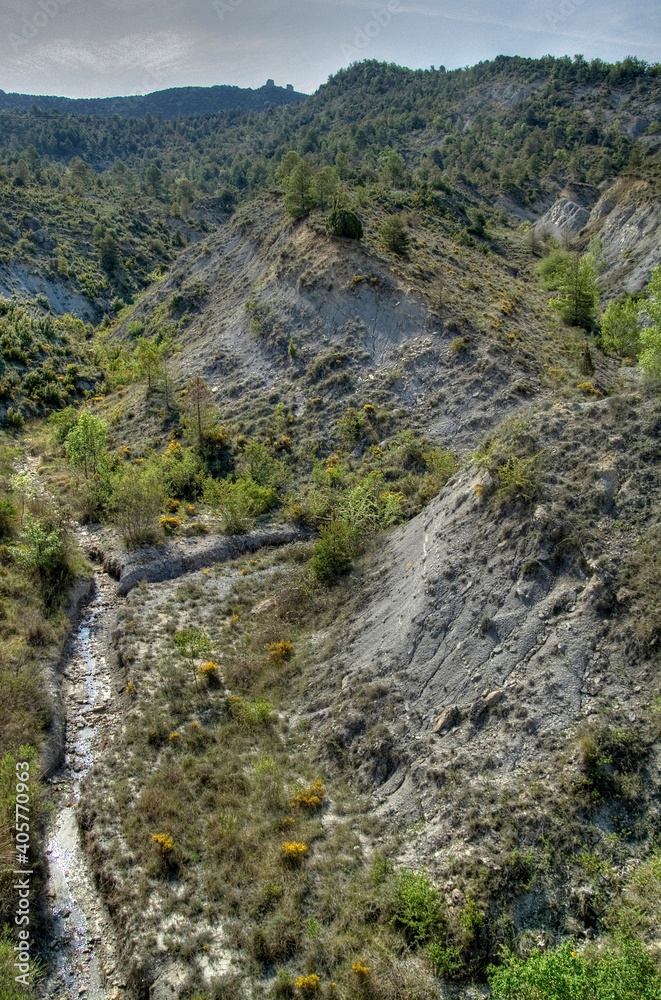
<point x="82" y="949"/>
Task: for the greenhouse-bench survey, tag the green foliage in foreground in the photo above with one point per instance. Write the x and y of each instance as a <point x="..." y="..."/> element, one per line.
<point x="621" y="972"/>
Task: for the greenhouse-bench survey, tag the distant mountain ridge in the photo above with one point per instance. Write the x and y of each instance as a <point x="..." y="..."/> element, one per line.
<point x="168" y="103"/>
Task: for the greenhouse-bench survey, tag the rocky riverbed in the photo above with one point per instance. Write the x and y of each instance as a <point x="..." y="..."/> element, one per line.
<point x="81" y="950"/>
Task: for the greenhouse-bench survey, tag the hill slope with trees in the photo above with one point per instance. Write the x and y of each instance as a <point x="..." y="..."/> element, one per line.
<point x="411" y="326"/>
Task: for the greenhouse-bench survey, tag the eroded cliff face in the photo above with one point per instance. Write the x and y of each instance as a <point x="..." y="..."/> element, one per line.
<point x="491" y="637"/>
<point x="626" y="217"/>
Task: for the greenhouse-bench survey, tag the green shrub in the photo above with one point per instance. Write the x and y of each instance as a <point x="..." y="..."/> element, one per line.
<point x="137" y="499"/>
<point x="61" y="422"/>
<point x="238" y="502"/>
<point x="370" y="505"/>
<point x="606" y="756"/>
<point x="183" y="472"/>
<point x="259" y="465"/>
<point x="514" y="465"/>
<point x="8" y="514"/>
<point x="45" y="549"/>
<point x="620" y="330"/>
<point x="14" y="419"/>
<point x="342" y="222"/>
<point x="418" y="909"/>
<point x="446" y="962"/>
<point x="624" y="972"/>
<point x="333" y="552"/>
<point x="650" y="336"/>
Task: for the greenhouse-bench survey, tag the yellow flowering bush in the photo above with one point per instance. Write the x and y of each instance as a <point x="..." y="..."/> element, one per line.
<point x="208" y="672"/>
<point x="293" y="851"/>
<point x="308" y="985"/>
<point x="310" y="798"/>
<point x="164" y="843"/>
<point x="169" y="524"/>
<point x="280" y="651"/>
<point x="362" y="971"/>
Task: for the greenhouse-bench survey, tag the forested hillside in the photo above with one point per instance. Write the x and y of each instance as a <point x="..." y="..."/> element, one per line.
<point x="172" y="103"/>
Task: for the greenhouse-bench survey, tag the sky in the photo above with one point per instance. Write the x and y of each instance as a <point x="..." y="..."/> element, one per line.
<point x="104" y="48"/>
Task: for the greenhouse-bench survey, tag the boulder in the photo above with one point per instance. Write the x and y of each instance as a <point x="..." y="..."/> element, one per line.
<point x="447" y="719"/>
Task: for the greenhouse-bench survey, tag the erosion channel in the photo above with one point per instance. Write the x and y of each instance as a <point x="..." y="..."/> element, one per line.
<point x="82" y="948"/>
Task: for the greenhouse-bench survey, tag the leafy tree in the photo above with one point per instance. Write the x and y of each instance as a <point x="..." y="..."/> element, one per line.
<point x="286" y="167"/>
<point x="650" y="336"/>
<point x="26" y="486"/>
<point x="342" y="222"/>
<point x="394" y="170"/>
<point x="620" y="331"/>
<point x="395" y="237"/>
<point x="478" y="222"/>
<point x="201" y="410"/>
<point x="109" y="254"/>
<point x="149" y="361"/>
<point x="298" y="198"/>
<point x="154" y="179"/>
<point x="577" y="287"/>
<point x="324" y="186"/>
<point x="137" y="499"/>
<point x="87" y="443"/>
<point x="552" y="267"/>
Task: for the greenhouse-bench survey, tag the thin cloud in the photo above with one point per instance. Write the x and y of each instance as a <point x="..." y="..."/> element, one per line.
<point x="158" y="52"/>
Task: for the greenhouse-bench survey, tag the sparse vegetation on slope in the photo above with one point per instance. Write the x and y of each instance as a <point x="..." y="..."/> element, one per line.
<point x="422" y="740"/>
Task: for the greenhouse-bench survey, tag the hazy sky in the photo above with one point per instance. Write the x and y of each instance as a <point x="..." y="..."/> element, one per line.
<point x="101" y="48"/>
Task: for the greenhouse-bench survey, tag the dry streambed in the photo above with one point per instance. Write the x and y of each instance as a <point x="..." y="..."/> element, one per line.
<point x="81" y="951"/>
